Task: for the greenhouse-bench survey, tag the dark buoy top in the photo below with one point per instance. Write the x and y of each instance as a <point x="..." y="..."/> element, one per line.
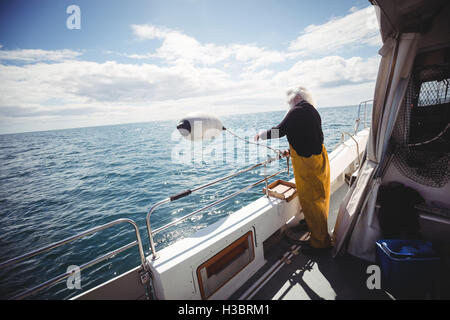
<point x="184" y="126"/>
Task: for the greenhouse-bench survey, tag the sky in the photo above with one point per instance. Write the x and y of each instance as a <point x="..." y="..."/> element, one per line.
<point x="146" y="60"/>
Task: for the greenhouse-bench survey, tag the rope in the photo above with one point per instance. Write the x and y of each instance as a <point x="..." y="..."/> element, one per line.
<point x="431" y="140"/>
<point x="255" y="143"/>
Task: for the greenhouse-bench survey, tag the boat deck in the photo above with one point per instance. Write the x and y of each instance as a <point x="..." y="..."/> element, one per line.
<point x="312" y="278"/>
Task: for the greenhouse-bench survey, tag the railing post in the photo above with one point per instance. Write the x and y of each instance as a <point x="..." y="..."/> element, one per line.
<point x="357" y="145"/>
<point x="155" y="255"/>
<point x="287" y="164"/>
<point x="265" y="180"/>
<point x="365" y="111"/>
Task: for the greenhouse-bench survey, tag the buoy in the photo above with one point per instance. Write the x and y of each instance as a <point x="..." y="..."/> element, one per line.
<point x="197" y="127"/>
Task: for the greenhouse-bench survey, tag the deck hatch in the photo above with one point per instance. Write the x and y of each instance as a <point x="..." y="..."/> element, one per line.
<point x="221" y="268"/>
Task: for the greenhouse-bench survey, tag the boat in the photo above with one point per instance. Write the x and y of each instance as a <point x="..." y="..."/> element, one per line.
<point x="250" y="253"/>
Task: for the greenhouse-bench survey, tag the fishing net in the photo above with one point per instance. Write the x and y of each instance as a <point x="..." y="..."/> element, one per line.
<point x="420" y="143"/>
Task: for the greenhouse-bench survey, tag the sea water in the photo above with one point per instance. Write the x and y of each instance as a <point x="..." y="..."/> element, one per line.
<point x="55" y="184"/>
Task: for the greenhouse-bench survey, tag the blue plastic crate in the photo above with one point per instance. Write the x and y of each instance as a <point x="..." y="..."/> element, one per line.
<point x="407" y="266"/>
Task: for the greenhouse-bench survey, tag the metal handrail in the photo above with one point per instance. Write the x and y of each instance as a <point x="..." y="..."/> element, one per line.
<point x="54" y="245"/>
<point x="155" y="255"/>
<point x="343" y="133"/>
<point x="363" y="103"/>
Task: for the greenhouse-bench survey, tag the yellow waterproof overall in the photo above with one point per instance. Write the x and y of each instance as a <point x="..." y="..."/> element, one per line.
<point x="312" y="177"/>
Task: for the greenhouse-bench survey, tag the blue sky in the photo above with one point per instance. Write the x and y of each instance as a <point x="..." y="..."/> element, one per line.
<point x="135" y="61"/>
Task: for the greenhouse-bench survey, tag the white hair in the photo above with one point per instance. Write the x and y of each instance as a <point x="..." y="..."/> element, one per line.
<point x="297" y="94"/>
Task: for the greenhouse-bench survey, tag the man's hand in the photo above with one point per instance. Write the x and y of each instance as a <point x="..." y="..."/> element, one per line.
<point x="286" y="153"/>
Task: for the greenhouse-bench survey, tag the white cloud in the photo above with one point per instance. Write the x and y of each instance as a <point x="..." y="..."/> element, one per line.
<point x="331" y="71"/>
<point x="178" y="48"/>
<point x="109" y="82"/>
<point x="257" y="57"/>
<point x="146" y="31"/>
<point x="36" y="55"/>
<point x="138" y="56"/>
<point x="358" y="28"/>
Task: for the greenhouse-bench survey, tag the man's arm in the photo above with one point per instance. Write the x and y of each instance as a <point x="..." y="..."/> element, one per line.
<point x="281" y="129"/>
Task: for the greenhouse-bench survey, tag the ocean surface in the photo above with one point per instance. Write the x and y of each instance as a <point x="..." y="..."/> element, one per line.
<point x="55" y="184"/>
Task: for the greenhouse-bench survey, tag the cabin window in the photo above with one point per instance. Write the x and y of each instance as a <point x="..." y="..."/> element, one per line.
<point x="217" y="271"/>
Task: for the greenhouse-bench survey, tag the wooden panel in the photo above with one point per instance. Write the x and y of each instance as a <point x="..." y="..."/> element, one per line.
<point x="281" y="189"/>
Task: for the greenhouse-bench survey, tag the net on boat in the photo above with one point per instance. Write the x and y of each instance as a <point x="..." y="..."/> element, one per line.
<point x="420" y="143"/>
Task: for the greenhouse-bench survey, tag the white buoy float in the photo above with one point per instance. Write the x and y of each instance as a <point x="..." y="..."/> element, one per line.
<point x="200" y="126"/>
<point x="196" y="127"/>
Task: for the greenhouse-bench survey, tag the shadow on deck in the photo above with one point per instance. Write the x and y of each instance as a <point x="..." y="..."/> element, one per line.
<point x="314" y="278"/>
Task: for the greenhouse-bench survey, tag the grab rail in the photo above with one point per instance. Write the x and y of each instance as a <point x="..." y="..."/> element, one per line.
<point x="54" y="245"/>
<point x="343" y="133"/>
<point x="358" y="120"/>
<point x="155" y="255"/>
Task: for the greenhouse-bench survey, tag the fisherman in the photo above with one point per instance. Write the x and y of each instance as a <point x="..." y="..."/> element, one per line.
<point x="303" y="127"/>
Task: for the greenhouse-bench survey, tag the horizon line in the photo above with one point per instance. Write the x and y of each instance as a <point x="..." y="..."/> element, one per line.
<point x="161" y="120"/>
